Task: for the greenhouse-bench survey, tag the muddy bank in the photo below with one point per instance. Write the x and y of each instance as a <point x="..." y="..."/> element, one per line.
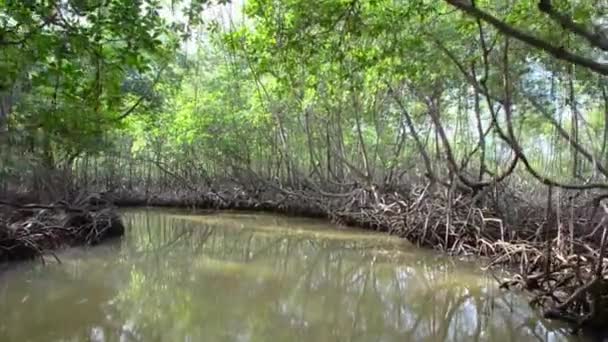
<point x="28" y="231"/>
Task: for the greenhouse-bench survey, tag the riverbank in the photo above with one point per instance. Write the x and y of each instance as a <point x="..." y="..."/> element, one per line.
<point x="557" y="248"/>
<point x="28" y="231"/>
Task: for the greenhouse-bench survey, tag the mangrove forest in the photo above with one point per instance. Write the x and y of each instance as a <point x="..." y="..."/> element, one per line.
<point x="308" y="170"/>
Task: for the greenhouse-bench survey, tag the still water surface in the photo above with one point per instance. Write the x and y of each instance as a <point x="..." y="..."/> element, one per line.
<point x="178" y="276"/>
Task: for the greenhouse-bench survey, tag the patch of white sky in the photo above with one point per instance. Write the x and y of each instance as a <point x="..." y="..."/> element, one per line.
<point x="226" y="16"/>
<point x="537" y="82"/>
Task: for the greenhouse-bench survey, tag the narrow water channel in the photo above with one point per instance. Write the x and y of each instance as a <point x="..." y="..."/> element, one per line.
<point x="178" y="276"/>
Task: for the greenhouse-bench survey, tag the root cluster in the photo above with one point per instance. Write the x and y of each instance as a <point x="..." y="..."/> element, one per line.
<point x="557" y="255"/>
<point x="28" y="231"/>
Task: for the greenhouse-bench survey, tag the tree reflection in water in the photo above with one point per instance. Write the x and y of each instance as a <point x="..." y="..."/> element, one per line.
<point x="233" y="277"/>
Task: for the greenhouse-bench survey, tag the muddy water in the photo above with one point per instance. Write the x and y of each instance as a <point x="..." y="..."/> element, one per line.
<point x="178" y="276"/>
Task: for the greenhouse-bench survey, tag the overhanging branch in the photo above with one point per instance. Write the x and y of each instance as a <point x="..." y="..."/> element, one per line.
<point x="557" y="52"/>
<point x="595" y="39"/>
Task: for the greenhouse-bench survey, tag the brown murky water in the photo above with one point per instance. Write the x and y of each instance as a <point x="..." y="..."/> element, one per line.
<point x="177" y="276"/>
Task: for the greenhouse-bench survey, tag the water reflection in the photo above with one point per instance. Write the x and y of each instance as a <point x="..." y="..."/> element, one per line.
<point x="229" y="277"/>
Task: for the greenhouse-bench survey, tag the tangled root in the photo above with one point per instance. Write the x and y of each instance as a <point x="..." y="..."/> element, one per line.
<point x="28" y="231"/>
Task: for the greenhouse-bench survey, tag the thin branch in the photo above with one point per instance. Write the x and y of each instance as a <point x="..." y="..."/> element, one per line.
<point x="555" y="51"/>
<point x="143" y="97"/>
<point x="562" y="132"/>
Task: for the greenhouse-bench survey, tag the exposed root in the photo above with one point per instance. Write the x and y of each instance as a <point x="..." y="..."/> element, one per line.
<point x="29" y="231"/>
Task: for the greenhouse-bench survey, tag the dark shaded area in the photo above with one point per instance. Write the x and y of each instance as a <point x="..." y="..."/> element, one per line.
<point x="27" y="231"/>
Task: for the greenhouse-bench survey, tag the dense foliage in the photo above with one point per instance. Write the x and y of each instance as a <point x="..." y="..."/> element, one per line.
<point x="473" y="126"/>
<point x="377" y="92"/>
